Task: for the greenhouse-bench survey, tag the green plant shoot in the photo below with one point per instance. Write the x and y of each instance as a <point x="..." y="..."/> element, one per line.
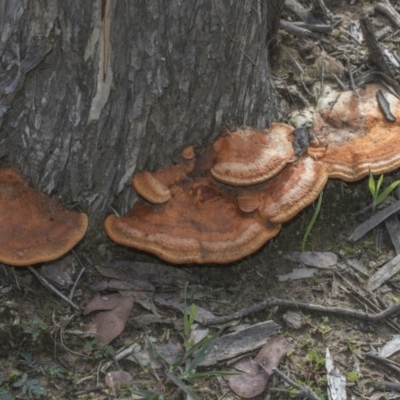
<point x="312" y="222"/>
<point x="375" y="187"/>
<point x="188" y="317"/>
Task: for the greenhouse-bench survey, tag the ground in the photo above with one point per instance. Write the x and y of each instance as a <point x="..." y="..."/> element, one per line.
<point x="44" y="353"/>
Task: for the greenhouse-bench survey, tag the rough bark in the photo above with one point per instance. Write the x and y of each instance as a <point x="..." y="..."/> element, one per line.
<point x="92" y="91"/>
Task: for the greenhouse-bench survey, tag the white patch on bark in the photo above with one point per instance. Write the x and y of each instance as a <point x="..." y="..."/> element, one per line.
<point x="100" y="43"/>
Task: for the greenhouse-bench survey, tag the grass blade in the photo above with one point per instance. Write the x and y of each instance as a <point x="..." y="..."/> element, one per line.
<point x="312" y="222"/>
<point x="181" y="385"/>
<point x="386" y="192"/>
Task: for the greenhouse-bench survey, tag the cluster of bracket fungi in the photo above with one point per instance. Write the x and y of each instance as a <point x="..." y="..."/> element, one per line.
<point x="223" y="203"/>
<point x="220" y="204"/>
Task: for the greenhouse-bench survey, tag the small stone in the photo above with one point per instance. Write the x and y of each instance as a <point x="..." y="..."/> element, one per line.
<point x="293" y="319"/>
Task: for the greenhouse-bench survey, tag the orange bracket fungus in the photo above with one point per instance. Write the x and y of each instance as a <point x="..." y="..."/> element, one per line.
<point x="295" y="188"/>
<point x="248" y="156"/>
<point x="199" y="224"/>
<point x="358" y="135"/>
<point x="230" y="199"/>
<point x="154" y="186"/>
<point x="33" y="227"/>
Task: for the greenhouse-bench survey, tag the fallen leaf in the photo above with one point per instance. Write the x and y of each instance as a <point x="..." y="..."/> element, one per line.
<point x="298" y="273"/>
<point x="257" y="372"/>
<point x="252" y="382"/>
<point x="115" y="379"/>
<point x="175" y="302"/>
<point x="313" y="259"/>
<point x="107" y="325"/>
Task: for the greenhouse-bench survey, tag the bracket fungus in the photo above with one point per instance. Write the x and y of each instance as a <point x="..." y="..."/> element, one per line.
<point x="284" y="196"/>
<point x="358" y="135"/>
<point x="295" y="188"/>
<point x="199" y="224"/>
<point x="154" y="186"/>
<point x="33" y="227"/>
<point x="249" y="156"/>
<point x="232" y="197"/>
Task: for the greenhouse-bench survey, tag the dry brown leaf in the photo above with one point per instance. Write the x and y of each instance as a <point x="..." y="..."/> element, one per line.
<point x="106" y="326"/>
<point x="257" y="372"/>
<point x="118" y="378"/>
<point x="252" y="382"/>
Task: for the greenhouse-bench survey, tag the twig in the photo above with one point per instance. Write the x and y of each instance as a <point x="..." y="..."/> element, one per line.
<point x="389" y="363"/>
<point x="372" y="222"/>
<point x="387" y="386"/>
<point x="71" y="293"/>
<point x="273" y="302"/>
<point x="384" y="105"/>
<point x="387" y="9"/>
<point x="350" y="72"/>
<point x="44" y="282"/>
<point x="303" y="390"/>
<point x="295" y="30"/>
<point x="362" y="300"/>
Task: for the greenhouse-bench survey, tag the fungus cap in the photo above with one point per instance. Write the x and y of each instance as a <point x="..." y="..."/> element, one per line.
<point x="358" y="136"/>
<point x="154" y="186"/>
<point x="249" y="156"/>
<point x="188" y="153"/>
<point x="33" y="227"/>
<point x="199" y="224"/>
<point x="296" y="187"/>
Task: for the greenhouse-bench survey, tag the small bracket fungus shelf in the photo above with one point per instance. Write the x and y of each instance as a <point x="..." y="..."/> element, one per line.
<point x="223" y="203"/>
<point x="33" y="227"/>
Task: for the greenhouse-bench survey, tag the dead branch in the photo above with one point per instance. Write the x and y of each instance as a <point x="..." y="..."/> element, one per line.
<point x="374" y="221"/>
<point x="387" y="386"/>
<point x="303" y="391"/>
<point x="273" y="302"/>
<point x="389" y="363"/>
<point x="47" y="284"/>
<point x="387" y="9"/>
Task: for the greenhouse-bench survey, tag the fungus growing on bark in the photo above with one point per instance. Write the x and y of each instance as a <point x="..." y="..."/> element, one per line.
<point x="358" y="135"/>
<point x="199" y="224"/>
<point x="33" y="227"/>
<point x="154" y="186"/>
<point x="249" y="156"/>
<point x="188" y="153"/>
<point x="296" y="187"/>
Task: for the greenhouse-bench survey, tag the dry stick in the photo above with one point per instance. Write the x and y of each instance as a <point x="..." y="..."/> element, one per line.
<point x="302" y="390"/>
<point x="387" y="9"/>
<point x="350" y="72"/>
<point x="71" y="294"/>
<point x="375" y="52"/>
<point x="389" y="363"/>
<point x="374" y="221"/>
<point x="273" y="302"/>
<point x="295" y="30"/>
<point x="44" y="282"/>
<point x="387" y="386"/>
<point x="362" y="300"/>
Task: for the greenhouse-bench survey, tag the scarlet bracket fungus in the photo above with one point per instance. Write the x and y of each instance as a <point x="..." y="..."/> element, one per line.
<point x="358" y="135"/>
<point x="199" y="224"/>
<point x="154" y="186"/>
<point x="33" y="227"/>
<point x="296" y="187"/>
<point x="188" y="153"/>
<point x="249" y="156"/>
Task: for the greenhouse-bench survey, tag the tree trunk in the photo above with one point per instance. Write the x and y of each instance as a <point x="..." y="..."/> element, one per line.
<point x="90" y="92"/>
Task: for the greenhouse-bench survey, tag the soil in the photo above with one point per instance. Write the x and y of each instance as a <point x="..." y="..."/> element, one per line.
<point x="41" y="336"/>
